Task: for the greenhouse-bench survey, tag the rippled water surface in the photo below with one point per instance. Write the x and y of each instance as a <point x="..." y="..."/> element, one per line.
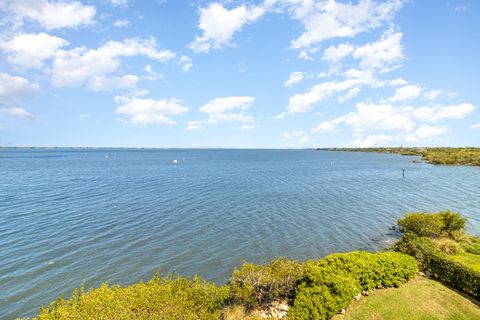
<point x="68" y="216"/>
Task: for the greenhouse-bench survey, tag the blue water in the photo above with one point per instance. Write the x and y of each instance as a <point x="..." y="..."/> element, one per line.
<point x="68" y="216"/>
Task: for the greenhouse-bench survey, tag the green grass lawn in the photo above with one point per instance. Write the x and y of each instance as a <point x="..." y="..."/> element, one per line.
<point x="420" y="299"/>
<point x="469" y="259"/>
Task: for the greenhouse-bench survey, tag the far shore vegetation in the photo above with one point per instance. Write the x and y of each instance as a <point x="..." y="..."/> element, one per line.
<point x="432" y="272"/>
<point x="468" y="156"/>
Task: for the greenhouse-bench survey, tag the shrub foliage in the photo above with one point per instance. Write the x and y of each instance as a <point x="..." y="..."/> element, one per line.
<point x="332" y="283"/>
<point x="166" y="298"/>
<point x="432" y="224"/>
<point x="253" y="285"/>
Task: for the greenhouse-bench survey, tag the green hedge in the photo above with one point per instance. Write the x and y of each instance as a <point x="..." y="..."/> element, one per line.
<point x="445" y="269"/>
<point x="169" y="298"/>
<point x="455" y="274"/>
<point x="432" y="224"/>
<point x="331" y="283"/>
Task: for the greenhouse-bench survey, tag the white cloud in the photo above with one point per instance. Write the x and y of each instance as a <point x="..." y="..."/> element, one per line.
<point x="16" y="112"/>
<point x="373" y="117"/>
<point x="371" y="141"/>
<point x="149" y="111"/>
<point x="186" y="63"/>
<point x="294" y="78"/>
<point x="152" y="75"/>
<point x="334" y="54"/>
<point x="440" y="112"/>
<point x="54" y="14"/>
<point x="302" y="102"/>
<point x="426" y="133"/>
<point x="325" y="126"/>
<point x="119" y="3"/>
<point x="330" y="19"/>
<point x="195" y="125"/>
<point x="476" y="126"/>
<point x="99" y="83"/>
<point x="298" y="136"/>
<point x="219" y="24"/>
<point x="436" y="94"/>
<point x="228" y="109"/>
<point x="384" y="54"/>
<point x="407" y="92"/>
<point x="85" y="66"/>
<point x="121" y="23"/>
<point x="398" y="82"/>
<point x="29" y="51"/>
<point x="16" y="87"/>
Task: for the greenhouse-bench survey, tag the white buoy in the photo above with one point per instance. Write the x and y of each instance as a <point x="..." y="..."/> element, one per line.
<point x="175" y="161"/>
<point x="106" y="156"/>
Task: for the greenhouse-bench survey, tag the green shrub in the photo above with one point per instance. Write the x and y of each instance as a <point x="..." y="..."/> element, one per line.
<point x="331" y="283"/>
<point x="452" y="221"/>
<point x="455" y="274"/>
<point x="161" y="298"/>
<point x="253" y="285"/>
<point x="448" y="246"/>
<point x="432" y="224"/>
<point x="372" y="270"/>
<point x="422" y="224"/>
<point x="421" y="248"/>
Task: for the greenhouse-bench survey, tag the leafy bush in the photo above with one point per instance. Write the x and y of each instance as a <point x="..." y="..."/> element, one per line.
<point x="421" y="248"/>
<point x="448" y="246"/>
<point x="253" y="285"/>
<point x="331" y="283"/>
<point x="455" y="274"/>
<point x="452" y="221"/>
<point x="432" y="224"/>
<point x="372" y="270"/>
<point x="422" y="224"/>
<point x="161" y="298"/>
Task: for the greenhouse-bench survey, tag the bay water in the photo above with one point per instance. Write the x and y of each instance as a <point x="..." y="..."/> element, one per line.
<point x="73" y="216"/>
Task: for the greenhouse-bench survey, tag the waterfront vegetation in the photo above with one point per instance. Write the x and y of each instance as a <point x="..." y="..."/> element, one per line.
<point x="419" y="299"/>
<point x="354" y="284"/>
<point x="443" y="156"/>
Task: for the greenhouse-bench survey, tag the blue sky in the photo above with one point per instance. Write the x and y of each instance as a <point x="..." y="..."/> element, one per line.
<point x="272" y="73"/>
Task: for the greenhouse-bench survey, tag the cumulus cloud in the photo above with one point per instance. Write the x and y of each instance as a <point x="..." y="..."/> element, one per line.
<point x="427" y="133"/>
<point x="186" y="63"/>
<point x="302" y="102"/>
<point x="407" y="92"/>
<point x="334" y="54"/>
<point x="29" y="51"/>
<point x="375" y="140"/>
<point x="53" y="14"/>
<point x="120" y="23"/>
<point x="16" y="87"/>
<point x="298" y="137"/>
<point x="16" y="112"/>
<point x="229" y="109"/>
<point x="119" y="3"/>
<point x="330" y="19"/>
<point x="476" y="126"/>
<point x="142" y="111"/>
<point x="86" y="66"/>
<point x="195" y="125"/>
<point x="99" y="83"/>
<point x="440" y="112"/>
<point x="383" y="55"/>
<point x="294" y="78"/>
<point x="218" y="25"/>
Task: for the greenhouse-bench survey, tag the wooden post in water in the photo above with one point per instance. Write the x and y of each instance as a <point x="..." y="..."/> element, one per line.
<point x="403" y="172"/>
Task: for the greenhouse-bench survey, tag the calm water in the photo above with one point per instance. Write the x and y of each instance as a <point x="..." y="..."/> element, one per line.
<point x="68" y="216"/>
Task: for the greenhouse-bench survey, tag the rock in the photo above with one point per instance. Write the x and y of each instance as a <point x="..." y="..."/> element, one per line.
<point x="343" y="311"/>
<point x="365" y="293"/>
<point x="358" y="296"/>
<point x="421" y="274"/>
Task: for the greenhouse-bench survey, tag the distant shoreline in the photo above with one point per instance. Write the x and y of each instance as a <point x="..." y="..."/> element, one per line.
<point x="467" y="156"/>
